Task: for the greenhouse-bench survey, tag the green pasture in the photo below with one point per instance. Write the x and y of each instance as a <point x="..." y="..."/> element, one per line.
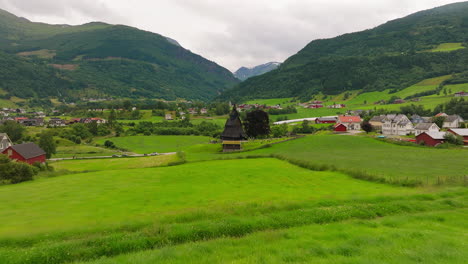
<point x="69" y="151"/>
<point x="447" y="47"/>
<point x="431" y="237"/>
<point x="161" y="144"/>
<point x="362" y="154"/>
<point x="114" y="163"/>
<point x="274" y="101"/>
<point x="100" y="200"/>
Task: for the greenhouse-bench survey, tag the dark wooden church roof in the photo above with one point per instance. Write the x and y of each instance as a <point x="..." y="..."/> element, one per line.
<point x="233" y="129"/>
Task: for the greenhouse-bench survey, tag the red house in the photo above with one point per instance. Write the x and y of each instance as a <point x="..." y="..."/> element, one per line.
<point x="431" y="138"/>
<point x="340" y="128"/>
<point x="462" y="132"/>
<point x="28" y="152"/>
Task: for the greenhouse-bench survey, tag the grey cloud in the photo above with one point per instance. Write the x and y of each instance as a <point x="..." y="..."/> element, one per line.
<point x="233" y="33"/>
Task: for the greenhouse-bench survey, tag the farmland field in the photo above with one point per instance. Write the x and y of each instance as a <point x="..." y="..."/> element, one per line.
<point x="149" y="144"/>
<point x="244" y="207"/>
<point x="82" y="151"/>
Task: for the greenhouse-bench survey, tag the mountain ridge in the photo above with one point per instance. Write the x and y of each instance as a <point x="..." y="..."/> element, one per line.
<point x="392" y="56"/>
<point x="99" y="59"/>
<point x="243" y="73"/>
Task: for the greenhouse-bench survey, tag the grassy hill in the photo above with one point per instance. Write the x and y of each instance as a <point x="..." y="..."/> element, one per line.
<point x="99" y="60"/>
<point x="392" y="56"/>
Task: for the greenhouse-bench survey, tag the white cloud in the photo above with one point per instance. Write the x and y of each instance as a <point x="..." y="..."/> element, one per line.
<point x="231" y="33"/>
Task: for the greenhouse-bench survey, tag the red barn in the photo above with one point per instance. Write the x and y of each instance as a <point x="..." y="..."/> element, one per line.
<point x="431" y="138"/>
<point x="462" y="132"/>
<point x="28" y="152"/>
<point x="340" y="128"/>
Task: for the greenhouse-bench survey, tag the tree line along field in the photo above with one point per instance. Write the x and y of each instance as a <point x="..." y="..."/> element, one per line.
<point x="248" y="207"/>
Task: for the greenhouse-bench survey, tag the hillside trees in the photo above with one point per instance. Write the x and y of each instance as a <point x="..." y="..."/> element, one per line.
<point x="13" y="129"/>
<point x="47" y="143"/>
<point x="257" y="124"/>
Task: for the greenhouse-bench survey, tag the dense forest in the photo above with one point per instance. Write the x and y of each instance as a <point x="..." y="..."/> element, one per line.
<point x="392" y="56"/>
<point x="102" y="59"/>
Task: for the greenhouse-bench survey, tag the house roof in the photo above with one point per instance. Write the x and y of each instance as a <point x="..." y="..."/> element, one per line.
<point x="435" y="135"/>
<point x="452" y="118"/>
<point x="460" y="131"/>
<point x="28" y="150"/>
<point x="424" y="126"/>
<point x="349" y="119"/>
<point x="326" y="118"/>
<point x="233" y="129"/>
<point x="441" y="114"/>
<point x="379" y="118"/>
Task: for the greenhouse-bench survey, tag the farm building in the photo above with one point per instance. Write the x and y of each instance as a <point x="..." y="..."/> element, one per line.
<point x="168" y="117"/>
<point x="399" y="125"/>
<point x="233" y="133"/>
<point x="452" y="121"/>
<point x="57" y="122"/>
<point x="28" y="152"/>
<point x="340" y="128"/>
<point x="462" y="132"/>
<point x="431" y="138"/>
<point x="326" y="120"/>
<point x="377" y="122"/>
<point x="351" y="122"/>
<point x="425" y="127"/>
<point x="5" y="141"/>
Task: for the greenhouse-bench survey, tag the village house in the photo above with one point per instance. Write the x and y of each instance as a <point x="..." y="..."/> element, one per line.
<point x="431" y="138"/>
<point x="462" y="132"/>
<point x="337" y="106"/>
<point x="452" y="121"/>
<point x="203" y="111"/>
<point x="32" y="122"/>
<point x="233" y="133"/>
<point x="57" y="122"/>
<point x="377" y="122"/>
<point x="441" y="114"/>
<point x="416" y="119"/>
<point x="461" y="94"/>
<point x="5" y="141"/>
<point x="399" y="101"/>
<point x="28" y="152"/>
<point x="352" y="123"/>
<point x="168" y="117"/>
<point x="326" y="120"/>
<point x="426" y="127"/>
<point x="398" y="125"/>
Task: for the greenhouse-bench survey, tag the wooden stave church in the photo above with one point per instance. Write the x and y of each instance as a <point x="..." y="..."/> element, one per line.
<point x="233" y="133"/>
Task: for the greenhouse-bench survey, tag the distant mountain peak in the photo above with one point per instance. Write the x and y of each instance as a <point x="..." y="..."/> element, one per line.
<point x="243" y="73"/>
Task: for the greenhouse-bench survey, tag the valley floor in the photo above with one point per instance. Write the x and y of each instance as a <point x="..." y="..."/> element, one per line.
<point x="309" y="200"/>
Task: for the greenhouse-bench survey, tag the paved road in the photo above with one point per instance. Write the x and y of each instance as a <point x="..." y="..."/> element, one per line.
<point x="110" y="157"/>
<point x="312" y="119"/>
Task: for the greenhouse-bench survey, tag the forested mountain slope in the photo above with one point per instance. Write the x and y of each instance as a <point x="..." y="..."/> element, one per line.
<point x="392" y="56"/>
<point x="98" y="59"/>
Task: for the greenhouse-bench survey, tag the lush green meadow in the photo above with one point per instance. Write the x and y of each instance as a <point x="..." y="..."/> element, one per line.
<point x="161" y="144"/>
<point x="114" y="163"/>
<point x="447" y="47"/>
<point x="247" y="207"/>
<point x="79" y="151"/>
<point x="382" y="160"/>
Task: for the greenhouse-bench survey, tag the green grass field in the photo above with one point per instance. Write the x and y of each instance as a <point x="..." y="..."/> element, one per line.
<point x="447" y="47"/>
<point x="249" y="210"/>
<point x="383" y="160"/>
<point x="114" y="164"/>
<point x="161" y="144"/>
<point x="67" y="151"/>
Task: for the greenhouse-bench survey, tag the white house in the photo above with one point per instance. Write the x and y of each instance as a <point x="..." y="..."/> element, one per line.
<point x="452" y="121"/>
<point x="5" y="141"/>
<point x="425" y="127"/>
<point x="398" y="125"/>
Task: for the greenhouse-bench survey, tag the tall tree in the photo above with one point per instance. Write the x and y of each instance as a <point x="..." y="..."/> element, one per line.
<point x="47" y="143"/>
<point x="257" y="124"/>
<point x="14" y="130"/>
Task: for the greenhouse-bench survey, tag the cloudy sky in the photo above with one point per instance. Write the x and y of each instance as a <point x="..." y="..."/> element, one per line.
<point x="232" y="33"/>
